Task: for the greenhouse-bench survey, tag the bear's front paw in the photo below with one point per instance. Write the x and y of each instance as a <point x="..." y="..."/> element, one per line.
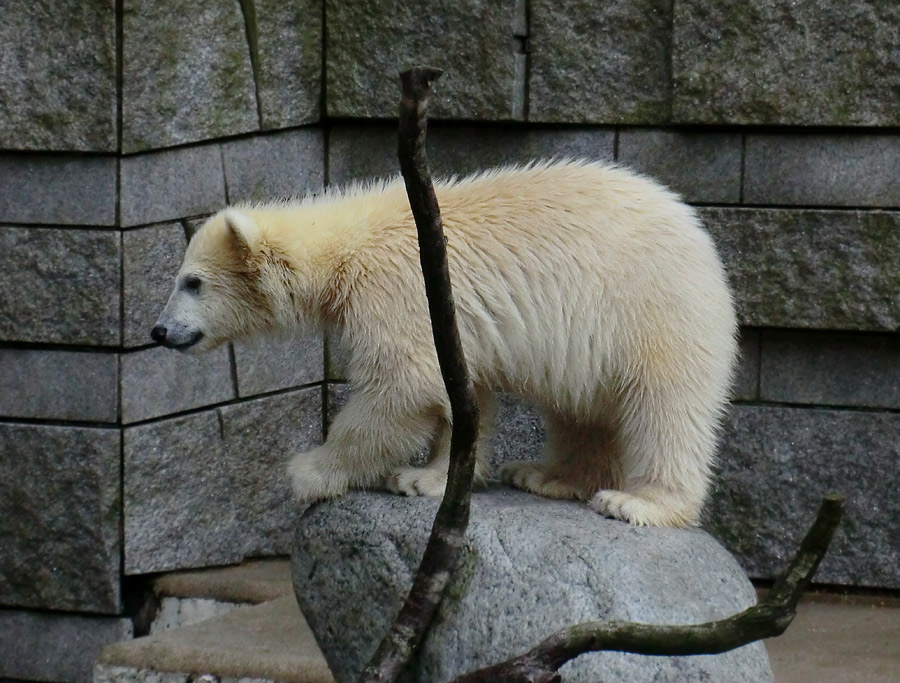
<point x="314" y="476"/>
<point x="533" y="477"/>
<point x="417" y="481"/>
<point x="645" y="508"/>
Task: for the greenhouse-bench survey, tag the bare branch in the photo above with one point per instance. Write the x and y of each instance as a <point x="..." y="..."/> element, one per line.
<point x="447" y="533"/>
<point x="767" y="619"/>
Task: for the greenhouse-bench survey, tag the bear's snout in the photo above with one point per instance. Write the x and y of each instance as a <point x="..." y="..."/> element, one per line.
<point x="158" y="334"/>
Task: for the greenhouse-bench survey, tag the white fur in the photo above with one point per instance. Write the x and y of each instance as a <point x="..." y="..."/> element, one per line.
<point x="585" y="288"/>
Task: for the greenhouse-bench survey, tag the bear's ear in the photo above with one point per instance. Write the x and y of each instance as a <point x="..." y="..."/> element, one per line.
<point x="243" y="234"/>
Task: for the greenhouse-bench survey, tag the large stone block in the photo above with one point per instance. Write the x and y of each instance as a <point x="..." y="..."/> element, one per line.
<point x="158" y="381"/>
<point x="58" y="70"/>
<point x="276" y="166"/>
<point x="828" y="63"/>
<point x="59" y="385"/>
<point x="777" y="463"/>
<point x="279" y="363"/>
<point x="55" y="647"/>
<point x="260" y="438"/>
<point x="59" y="518"/>
<point x="746" y="379"/>
<point x="701" y="167"/>
<point x="368" y="44"/>
<point x="600" y="62"/>
<point x="59" y="286"/>
<point x="530" y="566"/>
<point x="811" y="269"/>
<point x="150" y="259"/>
<point x="288" y="41"/>
<point x="830" y="369"/>
<point x="360" y="152"/>
<point x="186" y="73"/>
<point x="824" y="170"/>
<point x="520" y="432"/>
<point x="57" y="189"/>
<point x="173" y="184"/>
<point x="180" y="505"/>
<point x="212" y="488"/>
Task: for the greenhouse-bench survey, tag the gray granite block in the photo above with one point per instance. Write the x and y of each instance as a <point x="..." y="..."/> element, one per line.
<point x="368" y="44"/>
<point x="55" y="647"/>
<point x="603" y="62"/>
<point x="360" y="152"/>
<point x="289" y="53"/>
<point x="278" y="363"/>
<point x="181" y="507"/>
<point x="60" y="511"/>
<point x="778" y="462"/>
<point x="828" y="63"/>
<point x="809" y="268"/>
<point x="57" y="189"/>
<point x="59" y="385"/>
<point x="822" y="169"/>
<point x="827" y="368"/>
<point x="186" y="73"/>
<point x="260" y="438"/>
<point x="58" y="69"/>
<point x="159" y="381"/>
<point x="529" y="567"/>
<point x="276" y="166"/>
<point x="746" y="379"/>
<point x="701" y="167"/>
<point x="151" y="258"/>
<point x="519" y="434"/>
<point x="59" y="286"/>
<point x="171" y="184"/>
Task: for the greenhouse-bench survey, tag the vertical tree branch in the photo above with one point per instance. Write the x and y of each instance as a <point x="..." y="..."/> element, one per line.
<point x="447" y="534"/>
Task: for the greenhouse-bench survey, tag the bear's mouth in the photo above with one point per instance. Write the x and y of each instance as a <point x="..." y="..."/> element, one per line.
<point x="196" y="337"/>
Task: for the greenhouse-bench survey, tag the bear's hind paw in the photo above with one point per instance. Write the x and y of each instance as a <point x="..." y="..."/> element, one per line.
<point x="532" y="477"/>
<point x="640" y="510"/>
<point x="417" y="481"/>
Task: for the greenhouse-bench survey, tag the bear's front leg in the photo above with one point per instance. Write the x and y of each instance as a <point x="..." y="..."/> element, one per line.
<point x="316" y="475"/>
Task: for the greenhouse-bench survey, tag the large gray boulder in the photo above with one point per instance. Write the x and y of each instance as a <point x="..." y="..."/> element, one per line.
<point x="530" y="566"/>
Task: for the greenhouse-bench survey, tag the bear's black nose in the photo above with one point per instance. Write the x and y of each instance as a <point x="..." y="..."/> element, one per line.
<point x="159" y="334"/>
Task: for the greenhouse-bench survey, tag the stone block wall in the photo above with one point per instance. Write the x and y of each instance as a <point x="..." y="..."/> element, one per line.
<point x="124" y="123"/>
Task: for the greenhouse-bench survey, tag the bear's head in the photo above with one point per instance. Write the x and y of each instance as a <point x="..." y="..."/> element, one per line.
<point x="221" y="290"/>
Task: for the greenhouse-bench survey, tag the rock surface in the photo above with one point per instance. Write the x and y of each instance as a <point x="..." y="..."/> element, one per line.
<point x="530" y="567"/>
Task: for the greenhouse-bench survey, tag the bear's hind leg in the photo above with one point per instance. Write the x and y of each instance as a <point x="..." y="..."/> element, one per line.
<point x="579" y="458"/>
<point x="431" y="480"/>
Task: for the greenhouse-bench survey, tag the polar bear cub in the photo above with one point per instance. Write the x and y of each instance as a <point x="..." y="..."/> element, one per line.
<point x="587" y="289"/>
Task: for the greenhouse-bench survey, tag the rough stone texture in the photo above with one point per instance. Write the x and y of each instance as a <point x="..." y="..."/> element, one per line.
<point x="746" y="380"/>
<point x="811" y="269"/>
<point x="57" y="189"/>
<point x="701" y="167"/>
<point x="173" y="184"/>
<point x="55" y="647"/>
<point x="831" y="369"/>
<point x="150" y="259"/>
<point x="211" y="488"/>
<point x="273" y="364"/>
<point x="778" y="462"/>
<point x="359" y="152"/>
<point x="530" y="566"/>
<point x="58" y="69"/>
<point x="825" y="170"/>
<point x="368" y="44"/>
<point x="600" y="62"/>
<point x="520" y="432"/>
<point x="260" y="437"/>
<point x="60" y="511"/>
<point x="289" y="51"/>
<point x="59" y="286"/>
<point x="270" y="167"/>
<point x="159" y="381"/>
<point x="828" y="63"/>
<point x="59" y="385"/>
<point x="180" y="507"/>
<point x="187" y="73"/>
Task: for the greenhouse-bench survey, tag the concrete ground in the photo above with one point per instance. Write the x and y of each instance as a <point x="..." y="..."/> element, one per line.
<point x="834" y="639"/>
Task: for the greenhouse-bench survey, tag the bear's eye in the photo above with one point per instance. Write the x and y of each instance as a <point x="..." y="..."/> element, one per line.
<point x="192" y="283"/>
